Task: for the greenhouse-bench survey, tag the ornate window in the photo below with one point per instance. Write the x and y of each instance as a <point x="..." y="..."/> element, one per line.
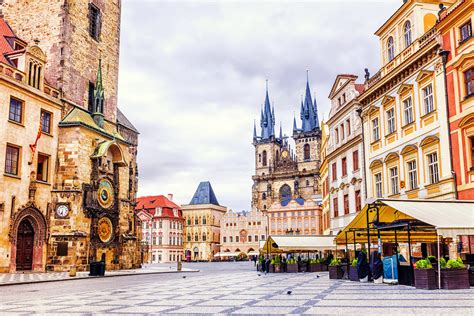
<point x="466" y="31"/>
<point x="334" y="172"/>
<point x="346" y="204"/>
<point x="355" y="160"/>
<point x="375" y="129"/>
<point x="428" y="99"/>
<point x="204" y="237"/>
<point x="407" y="33"/>
<point x="285" y="192"/>
<point x="433" y="171"/>
<point x="204" y="221"/>
<point x="196" y="237"/>
<point x="390" y="48"/>
<point x="264" y="196"/>
<point x="408" y="111"/>
<point x="264" y="158"/>
<point x="469" y="82"/>
<point x="344" y="166"/>
<point x="378" y="185"/>
<point x="394" y="180"/>
<point x="412" y="175"/>
<point x="391" y="121"/>
<point x="189" y="238"/>
<point x="306" y="152"/>
<point x="358" y="202"/>
<point x="196" y="221"/>
<point x="335" y="207"/>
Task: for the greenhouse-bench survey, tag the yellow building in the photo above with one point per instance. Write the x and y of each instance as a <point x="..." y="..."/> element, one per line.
<point x="30" y="109"/>
<point x="202" y="222"/>
<point x="324" y="174"/>
<point x="404" y="109"/>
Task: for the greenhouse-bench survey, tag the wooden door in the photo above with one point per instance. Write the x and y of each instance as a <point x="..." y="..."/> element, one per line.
<point x="24" y="246"/>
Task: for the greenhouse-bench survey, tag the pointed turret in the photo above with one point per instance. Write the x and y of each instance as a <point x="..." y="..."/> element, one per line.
<point x="281" y="133"/>
<point x="295" y="128"/>
<point x="309" y="114"/>
<point x="99" y="98"/>
<point x="254" y="131"/>
<point x="267" y="121"/>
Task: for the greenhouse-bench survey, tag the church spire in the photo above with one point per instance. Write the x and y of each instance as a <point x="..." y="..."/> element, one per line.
<point x="254" y="131"/>
<point x="309" y="115"/>
<point x="267" y="121"/>
<point x="281" y="133"/>
<point x="99" y="98"/>
<point x="295" y="128"/>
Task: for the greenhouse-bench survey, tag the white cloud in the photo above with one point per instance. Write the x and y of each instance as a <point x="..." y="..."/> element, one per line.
<point x="192" y="79"/>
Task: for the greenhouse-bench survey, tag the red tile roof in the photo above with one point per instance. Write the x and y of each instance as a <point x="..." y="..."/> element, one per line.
<point x="150" y="203"/>
<point x="5" y="46"/>
<point x="360" y="87"/>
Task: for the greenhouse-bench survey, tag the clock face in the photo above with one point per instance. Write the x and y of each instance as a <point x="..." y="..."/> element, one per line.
<point x="105" y="194"/>
<point x="284" y="154"/>
<point x="62" y="210"/>
<point x="105" y="229"/>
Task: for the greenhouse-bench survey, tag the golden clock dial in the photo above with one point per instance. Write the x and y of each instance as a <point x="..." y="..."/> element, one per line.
<point x="284" y="154"/>
<point x="105" y="194"/>
<point x="105" y="229"/>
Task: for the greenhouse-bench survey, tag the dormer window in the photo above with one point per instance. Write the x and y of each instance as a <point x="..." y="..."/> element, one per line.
<point x="34" y="73"/>
<point x="407" y="33"/>
<point x="390" y="49"/>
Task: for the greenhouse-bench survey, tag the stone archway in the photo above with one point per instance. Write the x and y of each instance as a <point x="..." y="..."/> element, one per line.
<point x="28" y="235"/>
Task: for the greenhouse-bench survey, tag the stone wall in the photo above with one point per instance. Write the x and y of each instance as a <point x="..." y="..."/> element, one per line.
<point x="62" y="29"/>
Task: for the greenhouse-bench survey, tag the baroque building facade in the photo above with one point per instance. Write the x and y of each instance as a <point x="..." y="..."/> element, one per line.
<point x="242" y="231"/>
<point x="286" y="182"/>
<point x="404" y="110"/>
<point x="91" y="207"/>
<point x="202" y="224"/>
<point x="162" y="228"/>
<point x="344" y="153"/>
<point x="455" y="27"/>
<point x="324" y="172"/>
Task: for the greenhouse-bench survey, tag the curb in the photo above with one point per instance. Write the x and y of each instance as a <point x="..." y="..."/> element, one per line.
<point x="96" y="277"/>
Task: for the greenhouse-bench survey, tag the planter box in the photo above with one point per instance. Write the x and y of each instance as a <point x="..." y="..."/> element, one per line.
<point x="336" y="272"/>
<point x="315" y="267"/>
<point x="425" y="279"/>
<point x="292" y="268"/>
<point x="454" y="279"/>
<point x="353" y="276"/>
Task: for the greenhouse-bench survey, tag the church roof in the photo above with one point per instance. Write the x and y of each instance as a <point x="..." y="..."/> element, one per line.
<point x="124" y="121"/>
<point x="204" y="195"/>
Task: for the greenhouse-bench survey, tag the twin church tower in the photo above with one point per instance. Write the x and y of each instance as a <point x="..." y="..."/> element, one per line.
<point x="285" y="176"/>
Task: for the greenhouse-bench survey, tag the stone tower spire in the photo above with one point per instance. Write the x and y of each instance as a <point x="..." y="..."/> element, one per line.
<point x="99" y="98"/>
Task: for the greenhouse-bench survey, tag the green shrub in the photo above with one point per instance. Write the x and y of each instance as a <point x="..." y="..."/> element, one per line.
<point x="335" y="262"/>
<point x="354" y="262"/>
<point x="442" y="263"/>
<point x="423" y="264"/>
<point x="291" y="261"/>
<point x="455" y="264"/>
<point x="276" y="260"/>
<point x="432" y="259"/>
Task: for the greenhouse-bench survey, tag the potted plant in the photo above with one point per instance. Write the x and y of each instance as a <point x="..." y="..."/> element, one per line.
<point x="276" y="263"/>
<point x="454" y="274"/>
<point x="291" y="265"/>
<point x="315" y="265"/>
<point x="335" y="269"/>
<point x="353" y="276"/>
<point x="425" y="275"/>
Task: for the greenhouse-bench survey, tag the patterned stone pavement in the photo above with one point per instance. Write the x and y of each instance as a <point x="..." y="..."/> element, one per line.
<point x="240" y="290"/>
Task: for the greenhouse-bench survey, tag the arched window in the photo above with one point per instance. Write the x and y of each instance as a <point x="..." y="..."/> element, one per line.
<point x="189" y="221"/>
<point x="285" y="192"/>
<point x="203" y="237"/>
<point x="390" y="48"/>
<point x="189" y="237"/>
<point x="306" y="152"/>
<point x="204" y="221"/>
<point x="264" y="196"/>
<point x="407" y="33"/>
<point x="196" y="237"/>
<point x="264" y="158"/>
<point x="196" y="221"/>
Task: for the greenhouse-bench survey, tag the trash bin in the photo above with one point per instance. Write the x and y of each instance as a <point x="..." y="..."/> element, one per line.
<point x="93" y="269"/>
<point x="101" y="268"/>
<point x="97" y="268"/>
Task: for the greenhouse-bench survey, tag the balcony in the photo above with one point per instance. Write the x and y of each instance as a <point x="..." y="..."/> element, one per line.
<point x="405" y="55"/>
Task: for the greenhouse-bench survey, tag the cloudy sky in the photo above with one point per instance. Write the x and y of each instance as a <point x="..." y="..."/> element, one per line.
<point x="192" y="80"/>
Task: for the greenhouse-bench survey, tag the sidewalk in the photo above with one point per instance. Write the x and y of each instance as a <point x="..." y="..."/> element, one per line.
<point x="39" y="277"/>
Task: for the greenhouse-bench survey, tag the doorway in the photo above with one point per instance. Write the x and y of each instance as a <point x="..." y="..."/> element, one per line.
<point x="24" y="246"/>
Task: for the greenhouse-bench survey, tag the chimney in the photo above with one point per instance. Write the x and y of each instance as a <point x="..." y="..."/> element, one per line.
<point x="170" y="197"/>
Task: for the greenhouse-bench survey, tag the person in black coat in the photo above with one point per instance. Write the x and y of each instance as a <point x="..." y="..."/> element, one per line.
<point x="363" y="268"/>
<point x="377" y="265"/>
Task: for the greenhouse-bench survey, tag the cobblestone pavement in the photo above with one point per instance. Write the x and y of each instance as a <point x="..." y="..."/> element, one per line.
<point x="32" y="277"/>
<point x="230" y="288"/>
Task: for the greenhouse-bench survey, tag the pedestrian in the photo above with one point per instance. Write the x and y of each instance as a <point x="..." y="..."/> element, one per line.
<point x="254" y="258"/>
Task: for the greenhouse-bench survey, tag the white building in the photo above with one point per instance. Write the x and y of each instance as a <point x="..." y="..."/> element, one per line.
<point x="345" y="153"/>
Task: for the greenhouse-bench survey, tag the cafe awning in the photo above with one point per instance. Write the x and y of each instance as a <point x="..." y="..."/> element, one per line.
<point x="428" y="218"/>
<point x="298" y="243"/>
